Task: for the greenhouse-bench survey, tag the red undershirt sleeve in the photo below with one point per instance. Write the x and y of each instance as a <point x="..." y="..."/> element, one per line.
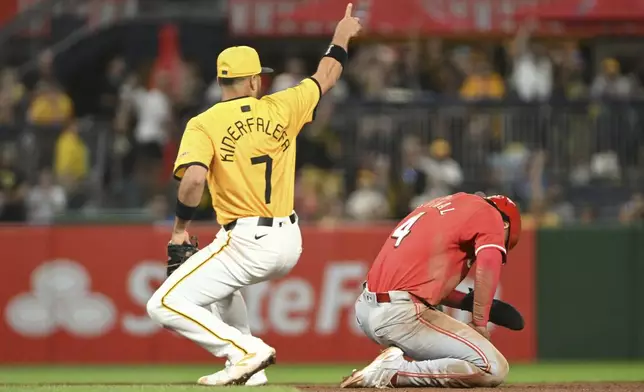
<point x="488" y="271"/>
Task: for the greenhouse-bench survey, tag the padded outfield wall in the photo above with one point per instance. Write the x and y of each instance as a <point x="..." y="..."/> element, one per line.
<point x="77" y="294"/>
<point x="590" y="293"/>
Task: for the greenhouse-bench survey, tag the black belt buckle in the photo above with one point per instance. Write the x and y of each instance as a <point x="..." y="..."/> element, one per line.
<point x="230" y="225"/>
<point x="266" y="222"/>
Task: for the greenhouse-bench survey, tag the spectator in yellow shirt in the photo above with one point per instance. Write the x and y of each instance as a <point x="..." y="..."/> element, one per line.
<point x="11" y="94"/>
<point x="540" y="216"/>
<point x="482" y="83"/>
<point x="71" y="157"/>
<point x="50" y="106"/>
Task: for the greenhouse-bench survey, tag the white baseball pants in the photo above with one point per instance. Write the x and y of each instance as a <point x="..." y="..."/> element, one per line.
<point x="200" y="300"/>
<point x="445" y="352"/>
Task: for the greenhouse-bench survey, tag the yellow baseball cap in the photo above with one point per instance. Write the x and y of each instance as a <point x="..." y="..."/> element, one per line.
<point x="440" y="148"/>
<point x="238" y="62"/>
<point x="611" y="65"/>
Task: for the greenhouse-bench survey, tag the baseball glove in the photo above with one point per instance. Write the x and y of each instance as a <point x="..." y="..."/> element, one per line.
<point x="501" y="313"/>
<point x="178" y="254"/>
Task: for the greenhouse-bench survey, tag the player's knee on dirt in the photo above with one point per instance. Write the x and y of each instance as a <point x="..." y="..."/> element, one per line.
<point x="491" y="376"/>
<point x="498" y="371"/>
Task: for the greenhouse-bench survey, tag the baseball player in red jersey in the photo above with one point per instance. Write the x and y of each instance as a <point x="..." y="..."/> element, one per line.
<point x="428" y="254"/>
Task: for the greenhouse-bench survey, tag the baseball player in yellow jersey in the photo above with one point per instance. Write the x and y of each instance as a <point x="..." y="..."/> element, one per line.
<point x="244" y="149"/>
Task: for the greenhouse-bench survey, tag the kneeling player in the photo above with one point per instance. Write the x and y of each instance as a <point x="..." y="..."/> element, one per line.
<point x="427" y="256"/>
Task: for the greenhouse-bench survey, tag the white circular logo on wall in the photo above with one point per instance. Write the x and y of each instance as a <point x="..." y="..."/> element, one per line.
<point x="59" y="279"/>
<point x="88" y="316"/>
<point x="29" y="316"/>
<point x="60" y="298"/>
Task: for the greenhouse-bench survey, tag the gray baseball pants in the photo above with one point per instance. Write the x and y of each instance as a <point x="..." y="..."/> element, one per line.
<point x="444" y="351"/>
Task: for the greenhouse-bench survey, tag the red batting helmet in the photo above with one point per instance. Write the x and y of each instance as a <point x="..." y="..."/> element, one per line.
<point x="511" y="214"/>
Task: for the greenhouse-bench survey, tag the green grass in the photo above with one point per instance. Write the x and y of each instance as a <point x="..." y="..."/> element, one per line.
<point x="131" y="388"/>
<point x="279" y="374"/>
<point x="182" y="378"/>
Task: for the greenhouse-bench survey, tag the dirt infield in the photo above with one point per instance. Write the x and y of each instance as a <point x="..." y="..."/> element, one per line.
<point x="175" y="387"/>
<point x="568" y="387"/>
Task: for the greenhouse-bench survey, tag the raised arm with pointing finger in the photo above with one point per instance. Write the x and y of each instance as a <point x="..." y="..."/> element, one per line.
<point x="331" y="65"/>
<point x="296" y="106"/>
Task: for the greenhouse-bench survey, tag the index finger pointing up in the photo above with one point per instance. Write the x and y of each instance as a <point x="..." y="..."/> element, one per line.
<point x="347" y="13"/>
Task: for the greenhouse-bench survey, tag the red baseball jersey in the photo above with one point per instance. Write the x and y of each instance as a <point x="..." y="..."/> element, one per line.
<point x="432" y="250"/>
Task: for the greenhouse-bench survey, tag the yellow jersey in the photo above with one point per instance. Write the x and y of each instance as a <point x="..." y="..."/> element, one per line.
<point x="248" y="146"/>
<point x="46" y="110"/>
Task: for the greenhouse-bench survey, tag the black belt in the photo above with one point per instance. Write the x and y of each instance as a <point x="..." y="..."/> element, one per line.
<point x="261" y="221"/>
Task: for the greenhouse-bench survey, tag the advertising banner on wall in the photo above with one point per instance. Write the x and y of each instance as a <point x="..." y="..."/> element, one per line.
<point x="8" y="9"/>
<point x="77" y="294"/>
<point x="446" y="18"/>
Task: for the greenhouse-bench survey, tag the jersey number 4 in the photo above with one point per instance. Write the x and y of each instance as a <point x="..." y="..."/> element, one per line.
<point x="267" y="174"/>
<point x="404" y="229"/>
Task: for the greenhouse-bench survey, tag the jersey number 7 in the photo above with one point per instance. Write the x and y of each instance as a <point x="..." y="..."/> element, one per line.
<point x="267" y="174"/>
<point x="404" y="229"/>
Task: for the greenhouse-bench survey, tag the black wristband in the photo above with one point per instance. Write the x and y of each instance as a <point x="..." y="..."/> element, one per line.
<point x="337" y="53"/>
<point x="184" y="212"/>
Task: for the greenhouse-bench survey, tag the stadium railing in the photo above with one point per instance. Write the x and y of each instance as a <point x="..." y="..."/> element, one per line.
<point x="570" y="132"/>
<point x="582" y="143"/>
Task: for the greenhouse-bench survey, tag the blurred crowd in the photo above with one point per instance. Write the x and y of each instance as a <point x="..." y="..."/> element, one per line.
<point x="409" y="122"/>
